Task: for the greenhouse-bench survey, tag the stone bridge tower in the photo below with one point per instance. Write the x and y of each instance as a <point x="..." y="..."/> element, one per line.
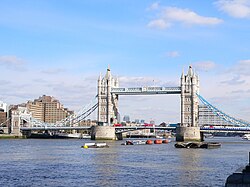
<point x="107" y="102"/>
<point x="189" y="129"/>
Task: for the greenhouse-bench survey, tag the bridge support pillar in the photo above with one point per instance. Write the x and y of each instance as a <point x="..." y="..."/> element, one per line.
<point x="103" y="133"/>
<point x="188" y="134"/>
<point x="189" y="129"/>
<point x="26" y="133"/>
<point x="119" y="136"/>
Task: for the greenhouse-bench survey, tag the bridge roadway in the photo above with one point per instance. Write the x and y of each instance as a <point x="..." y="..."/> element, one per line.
<point x="128" y="128"/>
<point x="146" y="90"/>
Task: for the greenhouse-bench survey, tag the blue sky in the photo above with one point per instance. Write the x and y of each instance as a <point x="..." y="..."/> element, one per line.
<point x="59" y="47"/>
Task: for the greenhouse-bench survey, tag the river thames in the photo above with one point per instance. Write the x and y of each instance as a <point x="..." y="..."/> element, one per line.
<point x="60" y="162"/>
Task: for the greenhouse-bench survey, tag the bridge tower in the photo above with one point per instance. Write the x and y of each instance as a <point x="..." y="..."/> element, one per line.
<point x="107" y="102"/>
<point x="107" y="108"/>
<point x="189" y="129"/>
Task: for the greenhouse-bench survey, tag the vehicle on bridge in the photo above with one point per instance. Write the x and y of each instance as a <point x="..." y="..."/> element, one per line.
<point x="118" y="125"/>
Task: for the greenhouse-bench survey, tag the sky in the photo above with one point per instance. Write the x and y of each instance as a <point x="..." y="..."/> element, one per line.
<point x="59" y="48"/>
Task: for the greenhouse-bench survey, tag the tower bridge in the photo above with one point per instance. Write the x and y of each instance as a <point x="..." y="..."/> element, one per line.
<point x="108" y="92"/>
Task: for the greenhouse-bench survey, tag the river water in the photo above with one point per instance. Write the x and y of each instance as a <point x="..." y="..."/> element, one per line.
<point x="60" y="162"/>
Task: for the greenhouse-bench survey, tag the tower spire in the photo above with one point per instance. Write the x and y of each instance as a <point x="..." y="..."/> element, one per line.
<point x="190" y="71"/>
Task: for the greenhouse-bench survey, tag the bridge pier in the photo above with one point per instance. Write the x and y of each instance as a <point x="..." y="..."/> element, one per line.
<point x="188" y="134"/>
<point x="103" y="133"/>
<point x="26" y="133"/>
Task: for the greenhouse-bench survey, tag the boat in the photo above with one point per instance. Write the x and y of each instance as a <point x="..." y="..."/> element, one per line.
<point x="135" y="142"/>
<point x="203" y="145"/>
<point x="180" y="145"/>
<point x="157" y="136"/>
<point x="246" y="137"/>
<point x="210" y="145"/>
<point x="208" y="135"/>
<point x="72" y="135"/>
<point x="95" y="145"/>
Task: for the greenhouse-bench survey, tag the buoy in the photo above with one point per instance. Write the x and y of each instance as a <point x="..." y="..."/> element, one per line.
<point x="158" y="141"/>
<point x="149" y="142"/>
<point x="165" y="141"/>
<point x="85" y="147"/>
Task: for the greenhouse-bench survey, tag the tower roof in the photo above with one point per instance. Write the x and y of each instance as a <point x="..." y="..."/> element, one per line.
<point x="190" y="71"/>
<point x="108" y="73"/>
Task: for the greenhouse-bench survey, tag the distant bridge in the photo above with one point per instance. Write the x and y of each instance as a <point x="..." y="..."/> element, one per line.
<point x="226" y="129"/>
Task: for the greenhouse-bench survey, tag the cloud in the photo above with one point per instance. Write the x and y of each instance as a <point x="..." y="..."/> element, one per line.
<point x="241" y="68"/>
<point x="53" y="71"/>
<point x="137" y="81"/>
<point x="143" y="81"/>
<point x="169" y="16"/>
<point x="159" y="24"/>
<point x="173" y="54"/>
<point x="234" y="81"/>
<point x="11" y="62"/>
<point x="4" y="82"/>
<point x="154" y="6"/>
<point x="235" y="8"/>
<point x="204" y="66"/>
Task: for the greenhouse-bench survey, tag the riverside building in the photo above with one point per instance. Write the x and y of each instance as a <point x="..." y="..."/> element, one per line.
<point x="48" y="109"/>
<point x="3" y="114"/>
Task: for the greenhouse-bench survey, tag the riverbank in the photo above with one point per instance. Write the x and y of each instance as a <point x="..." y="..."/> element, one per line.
<point x="10" y="136"/>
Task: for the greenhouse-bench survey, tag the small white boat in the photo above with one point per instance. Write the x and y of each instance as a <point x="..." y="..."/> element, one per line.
<point x="73" y="135"/>
<point x="135" y="142"/>
<point x="95" y="145"/>
<point x="246" y="137"/>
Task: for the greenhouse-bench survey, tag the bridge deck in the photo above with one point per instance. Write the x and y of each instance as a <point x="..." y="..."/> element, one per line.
<point x="146" y="90"/>
<point x="128" y="128"/>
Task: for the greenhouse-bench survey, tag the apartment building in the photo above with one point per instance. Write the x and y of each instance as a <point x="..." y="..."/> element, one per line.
<point x="48" y="109"/>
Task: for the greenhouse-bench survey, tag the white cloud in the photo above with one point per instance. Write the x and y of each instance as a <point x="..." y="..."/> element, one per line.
<point x="143" y="81"/>
<point x="173" y="54"/>
<point x="10" y="61"/>
<point x="138" y="81"/>
<point x="235" y="8"/>
<point x="154" y="6"/>
<point x="53" y="71"/>
<point x="234" y="81"/>
<point x="172" y="15"/>
<point x="159" y="24"/>
<point x="244" y="62"/>
<point x="241" y="68"/>
<point x="204" y="66"/>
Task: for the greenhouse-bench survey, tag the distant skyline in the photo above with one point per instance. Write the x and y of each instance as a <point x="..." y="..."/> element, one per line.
<point x="59" y="48"/>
